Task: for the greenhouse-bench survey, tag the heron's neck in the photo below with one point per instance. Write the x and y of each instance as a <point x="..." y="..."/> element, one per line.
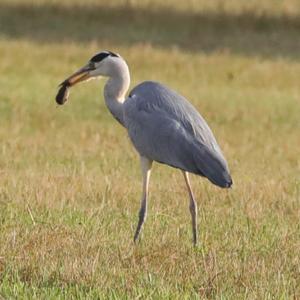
<point x="115" y="93"/>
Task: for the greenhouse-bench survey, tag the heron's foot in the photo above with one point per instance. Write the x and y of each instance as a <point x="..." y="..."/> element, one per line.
<point x="135" y="239"/>
<point x="137" y="234"/>
<point x="142" y="217"/>
<point x="195" y="241"/>
<point x="195" y="232"/>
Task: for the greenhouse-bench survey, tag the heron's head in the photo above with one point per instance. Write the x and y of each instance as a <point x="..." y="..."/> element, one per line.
<point x="104" y="64"/>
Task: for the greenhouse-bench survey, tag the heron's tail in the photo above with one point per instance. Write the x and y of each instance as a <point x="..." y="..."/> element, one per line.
<point x="213" y="166"/>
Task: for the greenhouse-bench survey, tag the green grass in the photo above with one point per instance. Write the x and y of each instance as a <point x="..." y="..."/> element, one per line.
<point x="70" y="179"/>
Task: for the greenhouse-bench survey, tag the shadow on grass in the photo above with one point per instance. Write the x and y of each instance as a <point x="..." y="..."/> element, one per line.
<point x="245" y="34"/>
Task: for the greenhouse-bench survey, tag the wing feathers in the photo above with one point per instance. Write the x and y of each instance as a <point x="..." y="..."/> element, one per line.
<point x="165" y="127"/>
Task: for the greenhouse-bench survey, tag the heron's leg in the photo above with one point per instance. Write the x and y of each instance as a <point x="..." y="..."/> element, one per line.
<point x="146" y="165"/>
<point x="193" y="206"/>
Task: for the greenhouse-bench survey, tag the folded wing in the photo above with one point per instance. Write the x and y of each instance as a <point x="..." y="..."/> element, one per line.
<point x="165" y="127"/>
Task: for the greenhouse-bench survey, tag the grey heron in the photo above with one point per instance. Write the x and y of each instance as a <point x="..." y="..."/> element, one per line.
<point x="162" y="125"/>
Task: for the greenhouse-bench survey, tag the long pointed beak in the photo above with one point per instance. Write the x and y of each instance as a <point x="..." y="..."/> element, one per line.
<point x="82" y="74"/>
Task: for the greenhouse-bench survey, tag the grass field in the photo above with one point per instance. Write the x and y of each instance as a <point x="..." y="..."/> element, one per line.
<point x="70" y="180"/>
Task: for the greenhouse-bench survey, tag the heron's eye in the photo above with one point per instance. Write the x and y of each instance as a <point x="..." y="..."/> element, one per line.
<point x="92" y="65"/>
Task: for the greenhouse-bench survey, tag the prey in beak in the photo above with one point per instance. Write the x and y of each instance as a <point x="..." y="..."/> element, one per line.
<point x="82" y="74"/>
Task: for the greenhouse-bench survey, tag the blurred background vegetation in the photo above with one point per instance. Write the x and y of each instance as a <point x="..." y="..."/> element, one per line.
<point x="268" y="28"/>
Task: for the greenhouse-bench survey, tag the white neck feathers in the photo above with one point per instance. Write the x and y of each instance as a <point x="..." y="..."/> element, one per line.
<point x="116" y="88"/>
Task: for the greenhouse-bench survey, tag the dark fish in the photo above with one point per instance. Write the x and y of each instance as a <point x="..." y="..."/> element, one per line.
<point x="63" y="94"/>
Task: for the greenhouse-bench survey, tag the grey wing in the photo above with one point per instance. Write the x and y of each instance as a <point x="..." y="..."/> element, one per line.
<point x="165" y="127"/>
